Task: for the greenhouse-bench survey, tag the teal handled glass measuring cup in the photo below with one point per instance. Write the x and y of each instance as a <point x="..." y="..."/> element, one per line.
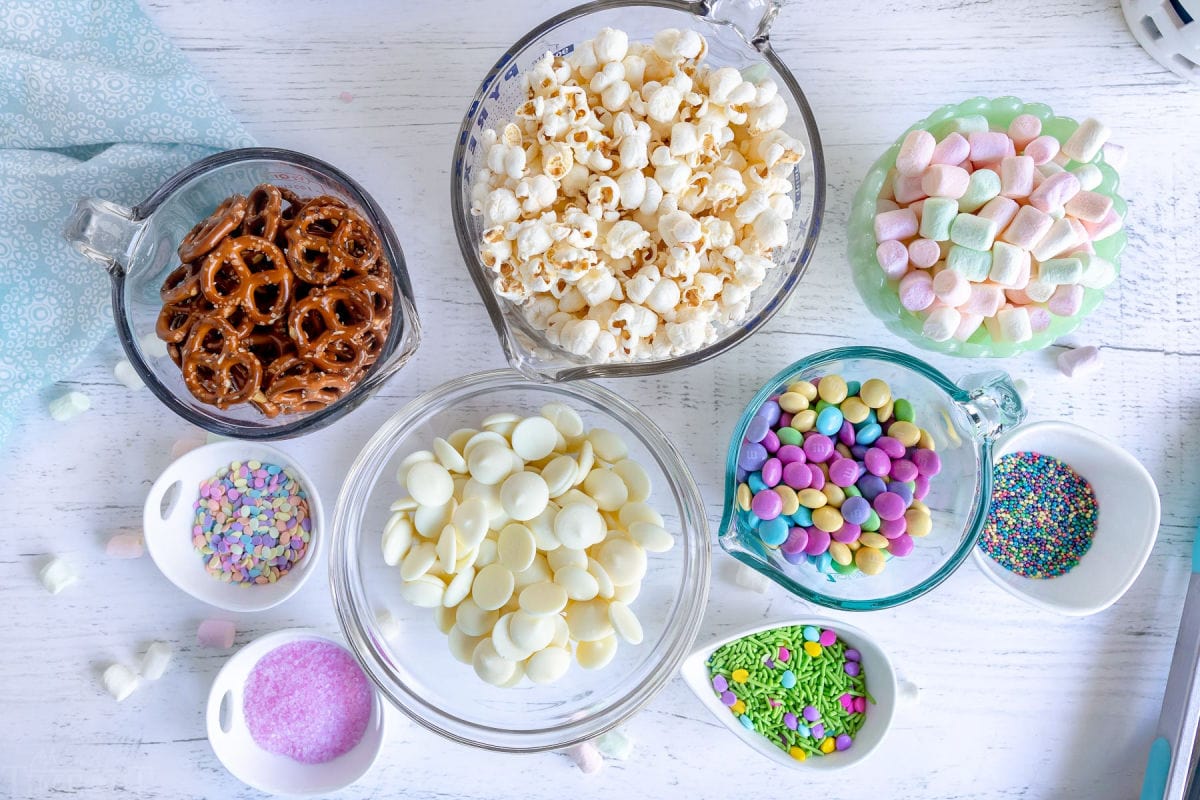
<point x="964" y="419"/>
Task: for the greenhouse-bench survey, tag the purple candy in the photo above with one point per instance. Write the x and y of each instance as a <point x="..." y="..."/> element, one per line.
<point x="741" y="475"/>
<point x="877" y="462"/>
<point x="752" y="456"/>
<point x="901" y="546"/>
<point x="785" y="420"/>
<point x="893" y="447"/>
<point x="770" y="411"/>
<point x="795" y="543"/>
<point x="817" y="477"/>
<point x="811" y="714"/>
<point x="728" y="698"/>
<point x="818" y="447"/>
<point x="853" y="655"/>
<point x="843" y="472"/>
<point x="827" y="638"/>
<point x="771" y="441"/>
<point x="818" y="541"/>
<point x="871" y="486"/>
<point x="922" y="487"/>
<point x="843" y="741"/>
<point x="795" y="558"/>
<point x="928" y="462"/>
<point x="849" y="532"/>
<point x="818" y="731"/>
<point x="888" y="505"/>
<point x="903" y="470"/>
<point x="789" y="719"/>
<point x="852" y="668"/>
<point x="719" y="683"/>
<point x="846" y="434"/>
<point x="757" y="429"/>
<point x="790" y="452"/>
<point x="772" y="472"/>
<point x="856" y="510"/>
<point x="859" y="451"/>
<point x="768" y="504"/>
<point x="891" y="528"/>
<point x="796" y="475"/>
<point x="902" y="489"/>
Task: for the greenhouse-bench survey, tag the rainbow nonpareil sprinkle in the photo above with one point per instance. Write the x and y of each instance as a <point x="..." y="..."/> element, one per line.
<point x="1042" y="517"/>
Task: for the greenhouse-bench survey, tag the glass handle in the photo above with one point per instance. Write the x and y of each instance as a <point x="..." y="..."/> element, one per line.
<point x="752" y="19"/>
<point x="993" y="403"/>
<point x="102" y="231"/>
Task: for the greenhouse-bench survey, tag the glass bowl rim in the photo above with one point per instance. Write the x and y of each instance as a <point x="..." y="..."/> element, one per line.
<point x="356" y="617"/>
<point x="728" y="529"/>
<point x="732" y="337"/>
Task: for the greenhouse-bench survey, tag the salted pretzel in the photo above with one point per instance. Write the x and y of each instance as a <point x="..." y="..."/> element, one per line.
<point x="264" y="209"/>
<point x="250" y="272"/>
<point x="209" y="232"/>
<point x="175" y="319"/>
<point x="325" y="312"/>
<point x="357" y="244"/>
<point x="182" y="282"/>
<point x="302" y="393"/>
<point x="378" y="289"/>
<point x="327" y="240"/>
<point x="216" y="368"/>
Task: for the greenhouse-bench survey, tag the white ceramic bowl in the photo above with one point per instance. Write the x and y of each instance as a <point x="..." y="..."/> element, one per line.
<point x="167" y="522"/>
<point x="271" y="772"/>
<point x="882" y="684"/>
<point x="1126" y="527"/>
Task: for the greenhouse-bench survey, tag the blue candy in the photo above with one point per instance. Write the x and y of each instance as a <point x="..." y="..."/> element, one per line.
<point x="829" y="421"/>
<point x="803" y="517"/>
<point x="752" y="456"/>
<point x="853" y="388"/>
<point x="756" y="483"/>
<point x="773" y="532"/>
<point x="747" y="723"/>
<point x="757" y="429"/>
<point x="871" y="486"/>
<point x="787" y="679"/>
<point x="902" y="489"/>
<point x="811" y="634"/>
<point x="867" y="434"/>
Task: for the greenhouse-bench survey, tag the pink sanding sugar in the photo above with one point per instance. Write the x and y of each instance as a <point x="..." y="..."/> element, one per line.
<point x="308" y="701"/>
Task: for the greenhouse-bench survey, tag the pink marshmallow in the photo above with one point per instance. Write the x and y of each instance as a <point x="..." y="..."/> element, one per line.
<point x="1018" y="297"/>
<point x="924" y="253"/>
<point x="1054" y="192"/>
<point x="915" y="152"/>
<point x="944" y="180"/>
<point x="908" y="189"/>
<point x="899" y="224"/>
<point x="125" y="545"/>
<point x="999" y="210"/>
<point x="968" y="324"/>
<point x="1084" y="247"/>
<point x="1024" y="129"/>
<point x="1027" y="228"/>
<point x="916" y="291"/>
<point x="1066" y="300"/>
<point x="1105" y="227"/>
<point x="985" y="299"/>
<point x="216" y="633"/>
<point x="988" y="146"/>
<point x="1089" y="206"/>
<point x="893" y="258"/>
<point x="1039" y="319"/>
<point x="1079" y="361"/>
<point x="953" y="150"/>
<point x="1042" y="150"/>
<point x="1016" y="176"/>
<point x="951" y="288"/>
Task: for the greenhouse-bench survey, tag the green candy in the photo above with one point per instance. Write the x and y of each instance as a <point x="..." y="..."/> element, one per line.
<point x="973" y="264"/>
<point x="852" y="491"/>
<point x="936" y="216"/>
<point x="844" y="569"/>
<point x="976" y="233"/>
<point x="872" y="523"/>
<point x="822" y="405"/>
<point x="983" y="185"/>
<point x="789" y="436"/>
<point x="903" y="410"/>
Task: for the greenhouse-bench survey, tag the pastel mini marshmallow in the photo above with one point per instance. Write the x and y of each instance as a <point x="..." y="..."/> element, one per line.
<point x="975" y="232"/>
<point x="587" y="757"/>
<point x="988" y="146"/>
<point x="983" y="185"/>
<point x="125" y="545"/>
<point x="908" y="189"/>
<point x="1060" y="271"/>
<point x="1098" y="272"/>
<point x="954" y="149"/>
<point x="1054" y="192"/>
<point x="941" y="323"/>
<point x="1028" y="228"/>
<point x="966" y="125"/>
<point x="751" y="579"/>
<point x="1000" y="210"/>
<point x="1039" y="318"/>
<point x="1024" y="129"/>
<point x="951" y="288"/>
<point x="945" y="180"/>
<point x="1089" y="206"/>
<point x="892" y="256"/>
<point x="1079" y="361"/>
<point x="1017" y="296"/>
<point x="218" y="633"/>
<point x="155" y="661"/>
<point x="916" y="291"/>
<point x="1085" y="143"/>
<point x="1039" y="291"/>
<point x="923" y="253"/>
<point x="617" y="743"/>
<point x="1066" y="300"/>
<point x="973" y="264"/>
<point x="968" y="324"/>
<point x="937" y="214"/>
<point x="1114" y="155"/>
<point x="56" y="575"/>
<point x="1089" y="176"/>
<point x="1060" y="237"/>
<point x="1105" y="227"/>
<point x="68" y="406"/>
<point x="119" y="681"/>
<point x="1014" y="324"/>
<point x="915" y="152"/>
<point x="985" y="299"/>
<point x="152" y="346"/>
<point x="1016" y="176"/>
<point x="1010" y="265"/>
<point x="899" y="224"/>
<point x="127" y="376"/>
<point x="1042" y="150"/>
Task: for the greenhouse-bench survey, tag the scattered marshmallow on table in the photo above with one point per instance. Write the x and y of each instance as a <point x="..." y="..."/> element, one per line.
<point x="120" y="681"/>
<point x="994" y="229"/>
<point x="218" y="633"/>
<point x="616" y="744"/>
<point x="1079" y="361"/>
<point x="125" y="545"/>
<point x="155" y="661"/>
<point x="751" y="579"/>
<point x="127" y="375"/>
<point x="57" y="575"/>
<point x="587" y="757"/>
<point x="69" y="405"/>
<point x="529" y="539"/>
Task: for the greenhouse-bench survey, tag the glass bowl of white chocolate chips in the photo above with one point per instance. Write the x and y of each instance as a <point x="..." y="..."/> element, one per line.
<point x="637" y="187"/>
<point x="519" y="566"/>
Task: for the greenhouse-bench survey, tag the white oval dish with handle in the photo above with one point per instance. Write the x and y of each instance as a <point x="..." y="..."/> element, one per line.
<point x="270" y="772"/>
<point x="882" y="685"/>
<point x="167" y="520"/>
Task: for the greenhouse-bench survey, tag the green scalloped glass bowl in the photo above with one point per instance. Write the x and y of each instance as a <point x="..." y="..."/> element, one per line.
<point x="879" y="293"/>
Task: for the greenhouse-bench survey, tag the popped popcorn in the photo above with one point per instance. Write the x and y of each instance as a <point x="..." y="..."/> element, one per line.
<point x="635" y="201"/>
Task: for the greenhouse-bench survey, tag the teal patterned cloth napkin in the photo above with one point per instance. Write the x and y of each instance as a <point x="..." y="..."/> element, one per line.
<point x="94" y="100"/>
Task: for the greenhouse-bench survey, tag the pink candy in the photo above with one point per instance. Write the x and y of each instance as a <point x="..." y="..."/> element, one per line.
<point x="954" y="150"/>
<point x="943" y="180"/>
<point x="1066" y="300"/>
<point x="1042" y="150"/>
<point x="916" y="291"/>
<point x="915" y="153"/>
<point x="1024" y="129"/>
<point x="1089" y="206"/>
<point x="923" y="253"/>
<point x="1016" y="176"/>
<point x="988" y="147"/>
<point x="217" y="633"/>
<point x="951" y="287"/>
<point x="999" y="210"/>
<point x="899" y="224"/>
<point x="1027" y="228"/>
<point x="125" y="545"/>
<point x="1054" y="192"/>
<point x="907" y="189"/>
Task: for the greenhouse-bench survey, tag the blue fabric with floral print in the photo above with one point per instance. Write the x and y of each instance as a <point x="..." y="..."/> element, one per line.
<point x="94" y="100"/>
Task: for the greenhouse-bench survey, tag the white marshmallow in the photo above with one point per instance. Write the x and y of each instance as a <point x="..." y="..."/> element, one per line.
<point x="941" y="323"/>
<point x="69" y="405"/>
<point x="127" y="375"/>
<point x="1085" y="143"/>
<point x="751" y="579"/>
<point x="1079" y="361"/>
<point x="155" y="661"/>
<point x="120" y="681"/>
<point x="1014" y="324"/>
<point x="57" y="575"/>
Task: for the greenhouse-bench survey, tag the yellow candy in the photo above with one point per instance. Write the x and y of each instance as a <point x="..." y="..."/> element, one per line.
<point x="832" y="389"/>
<point x="854" y="410"/>
<point x="854" y="546"/>
<point x="804" y="421"/>
<point x="919" y="506"/>
<point x="811" y="498"/>
<point x="869" y="560"/>
<point x="835" y="494"/>
<point x="805" y="389"/>
<point x="875" y="393"/>
<point x="906" y="432"/>
<point x="738" y="708"/>
<point x="926" y="441"/>
<point x="841" y="553"/>
<point x="812" y="648"/>
<point x="740" y="675"/>
<point x="918" y="523"/>
<point x="744" y="496"/>
<point x="791" y="503"/>
<point x="797" y="753"/>
<point x="827" y="519"/>
<point x="950" y="432"/>
<point x="827" y="745"/>
<point x="871" y="539"/>
<point x="843" y="450"/>
<point x="884" y="412"/>
<point x="792" y="403"/>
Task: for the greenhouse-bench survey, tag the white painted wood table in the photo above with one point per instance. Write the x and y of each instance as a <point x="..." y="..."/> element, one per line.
<point x="1015" y="702"/>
